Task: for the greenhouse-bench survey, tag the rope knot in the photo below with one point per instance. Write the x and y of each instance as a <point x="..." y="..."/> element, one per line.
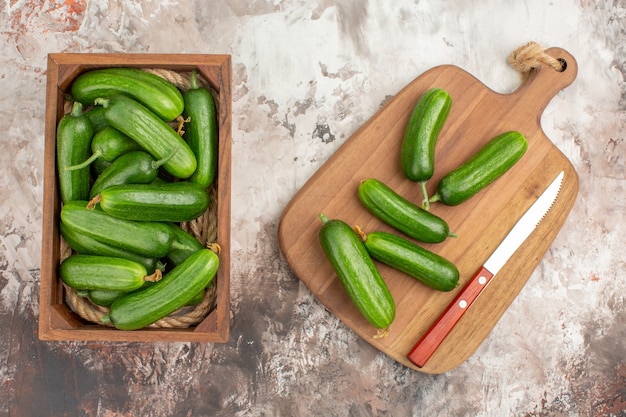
<point x="530" y="56"/>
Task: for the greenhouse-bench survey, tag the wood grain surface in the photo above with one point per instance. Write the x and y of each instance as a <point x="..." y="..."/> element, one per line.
<point x="477" y="115"/>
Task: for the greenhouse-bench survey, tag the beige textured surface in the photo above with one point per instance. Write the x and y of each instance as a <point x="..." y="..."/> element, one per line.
<point x="306" y="76"/>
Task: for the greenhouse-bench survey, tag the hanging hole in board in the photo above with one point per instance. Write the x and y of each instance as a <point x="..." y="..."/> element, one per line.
<point x="563" y="64"/>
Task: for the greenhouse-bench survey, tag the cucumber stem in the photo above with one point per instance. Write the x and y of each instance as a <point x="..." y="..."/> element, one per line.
<point x="434" y="198"/>
<point x="91" y="204"/>
<point x="105" y="319"/>
<point x="162" y="161"/>
<point x="360" y="233"/>
<point x="450" y="234"/>
<point x="181" y="124"/>
<point x="104" y="102"/>
<point x="380" y="333"/>
<point x="425" y="202"/>
<point x="194" y="82"/>
<point x="77" y="109"/>
<point x="85" y="163"/>
<point x="323" y="218"/>
<point x="156" y="277"/>
<point x="215" y="247"/>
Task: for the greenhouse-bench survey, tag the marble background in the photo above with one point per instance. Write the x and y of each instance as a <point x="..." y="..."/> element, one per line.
<point x="307" y="74"/>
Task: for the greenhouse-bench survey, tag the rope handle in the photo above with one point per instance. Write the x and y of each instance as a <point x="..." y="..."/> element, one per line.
<point x="531" y="56"/>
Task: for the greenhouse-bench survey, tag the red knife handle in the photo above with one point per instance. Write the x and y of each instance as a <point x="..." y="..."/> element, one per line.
<point x="428" y="344"/>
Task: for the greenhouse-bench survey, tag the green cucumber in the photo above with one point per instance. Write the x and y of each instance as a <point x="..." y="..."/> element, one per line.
<point x="150" y="239"/>
<point x="96" y="117"/>
<point x="151" y="133"/>
<point x="417" y="154"/>
<point x="431" y="269"/>
<point x="159" y="95"/>
<point x="183" y="245"/>
<point x="105" y="298"/>
<point x="357" y="272"/>
<point x="197" y="299"/>
<point x="93" y="272"/>
<point x="108" y="144"/>
<point x="169" y="202"/>
<point x="401" y="214"/>
<point x="201" y="131"/>
<point x="74" y="133"/>
<point x="160" y="180"/>
<point x="98" y="166"/>
<point x="135" y="167"/>
<point x="177" y="288"/>
<point x="483" y="168"/>
<point x="86" y="245"/>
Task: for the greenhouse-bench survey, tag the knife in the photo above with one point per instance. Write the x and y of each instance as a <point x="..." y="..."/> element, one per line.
<point x="426" y="346"/>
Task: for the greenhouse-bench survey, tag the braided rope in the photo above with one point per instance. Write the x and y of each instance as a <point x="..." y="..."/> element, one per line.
<point x="203" y="228"/>
<point x="180" y="80"/>
<point x="530" y="56"/>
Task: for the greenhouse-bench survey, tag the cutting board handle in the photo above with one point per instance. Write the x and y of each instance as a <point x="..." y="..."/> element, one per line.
<point x="544" y="82"/>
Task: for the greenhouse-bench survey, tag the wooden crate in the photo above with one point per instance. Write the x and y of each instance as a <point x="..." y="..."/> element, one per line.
<point x="57" y="322"/>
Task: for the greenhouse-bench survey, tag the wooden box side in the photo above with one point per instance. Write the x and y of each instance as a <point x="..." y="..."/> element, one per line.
<point x="56" y="321"/>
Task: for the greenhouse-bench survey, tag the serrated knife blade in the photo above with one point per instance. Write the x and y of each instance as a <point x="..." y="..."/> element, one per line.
<point x="432" y="339"/>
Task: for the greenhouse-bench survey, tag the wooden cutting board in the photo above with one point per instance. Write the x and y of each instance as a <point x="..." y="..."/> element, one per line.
<point x="477" y="115"/>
